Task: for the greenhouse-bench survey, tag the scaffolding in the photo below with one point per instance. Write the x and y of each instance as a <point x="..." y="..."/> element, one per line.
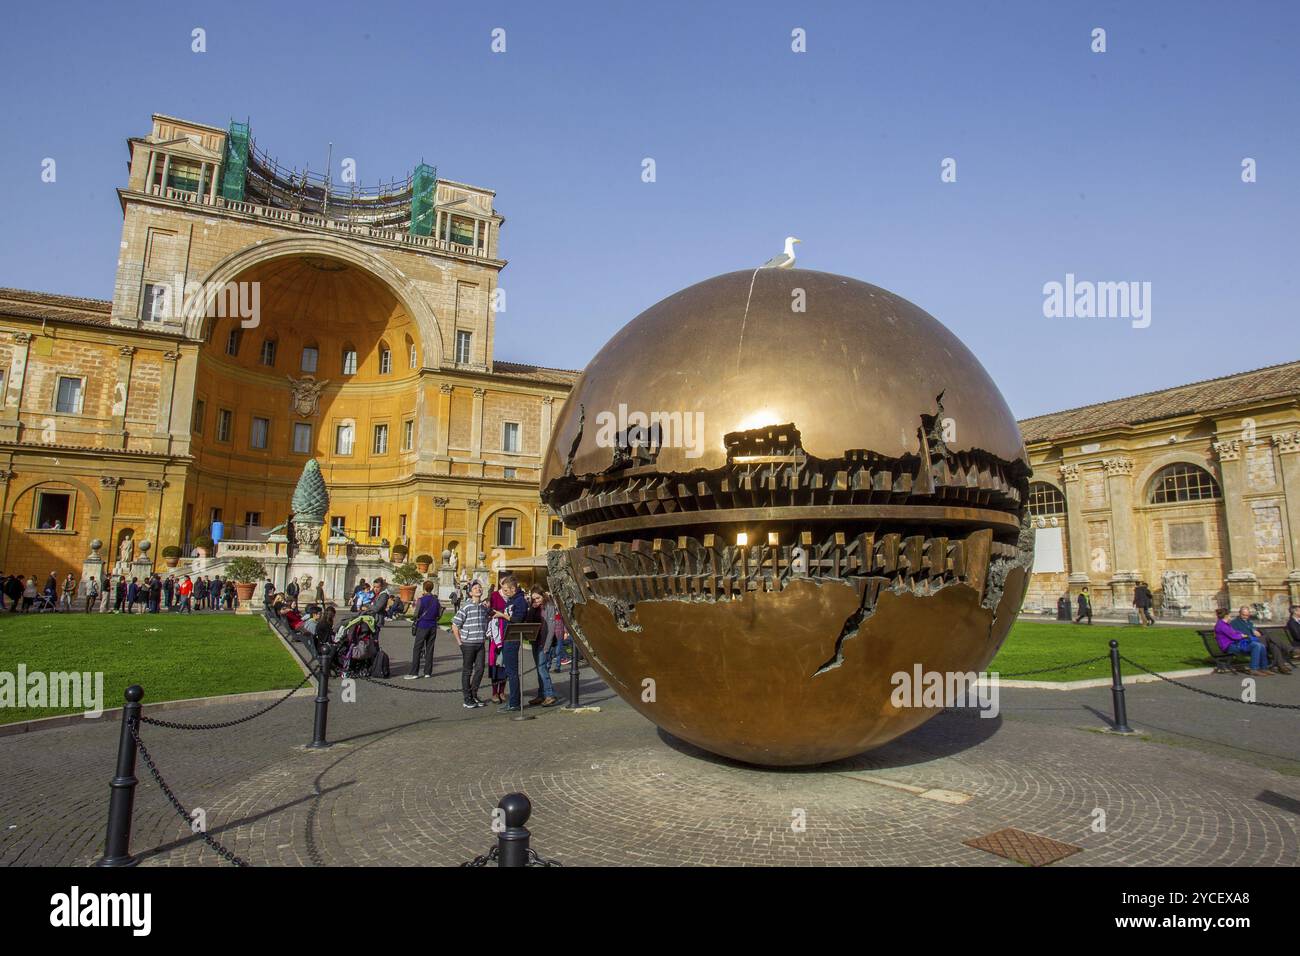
<point x="235" y="167"/>
<point x="424" y="199"/>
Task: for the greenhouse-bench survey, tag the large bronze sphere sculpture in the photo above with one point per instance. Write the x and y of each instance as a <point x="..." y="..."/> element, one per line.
<point x="787" y="486"/>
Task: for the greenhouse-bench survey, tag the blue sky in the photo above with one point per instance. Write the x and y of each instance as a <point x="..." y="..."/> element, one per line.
<point x="1115" y="166"/>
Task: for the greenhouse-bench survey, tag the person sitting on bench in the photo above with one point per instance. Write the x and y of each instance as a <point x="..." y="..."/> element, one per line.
<point x="1231" y="642"/>
<point x="1279" y="653"/>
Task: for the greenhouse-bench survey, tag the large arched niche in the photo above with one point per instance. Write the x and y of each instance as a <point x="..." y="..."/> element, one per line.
<point x="250" y="262"/>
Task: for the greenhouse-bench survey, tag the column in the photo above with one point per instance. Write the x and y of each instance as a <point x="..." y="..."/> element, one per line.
<point x="474" y="550"/>
<point x="167" y="396"/>
<point x="7" y="515"/>
<point x="1119" y="482"/>
<point x="167" y="168"/>
<point x="548" y="417"/>
<point x="476" y="426"/>
<point x="203" y="178"/>
<point x="1288" y="452"/>
<point x="122" y="391"/>
<point x="1076" y="529"/>
<point x="443" y="433"/>
<point x="107" y="509"/>
<point x="153" y="165"/>
<point x="13" y="397"/>
<point x="156" y="486"/>
<point x="212" y="186"/>
<point x="1243" y="585"/>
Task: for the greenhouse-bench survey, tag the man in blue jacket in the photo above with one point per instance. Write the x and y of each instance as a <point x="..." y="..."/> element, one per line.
<point x="515" y="612"/>
<point x="425" y="629"/>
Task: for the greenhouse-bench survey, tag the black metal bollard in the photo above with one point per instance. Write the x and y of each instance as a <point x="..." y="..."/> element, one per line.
<point x="512" y="842"/>
<point x="1117" y="691"/>
<point x="121" y="800"/>
<point x="321" y="721"/>
<point x="573" y="677"/>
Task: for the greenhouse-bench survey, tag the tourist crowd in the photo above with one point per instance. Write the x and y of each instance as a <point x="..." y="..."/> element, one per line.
<point x="119" y="594"/>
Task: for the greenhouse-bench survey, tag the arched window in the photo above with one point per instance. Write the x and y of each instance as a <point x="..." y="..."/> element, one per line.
<point x="1045" y="501"/>
<point x="412" y="354"/>
<point x="269" y="346"/>
<point x="349" y="360"/>
<point x="1182" y="482"/>
<point x="385" y="358"/>
<point x="310" y="357"/>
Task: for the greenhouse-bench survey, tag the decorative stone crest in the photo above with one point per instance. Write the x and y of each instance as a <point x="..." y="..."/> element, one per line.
<point x="1287" y="442"/>
<point x="1228" y="450"/>
<point x="1117" y="466"/>
<point x="306" y="394"/>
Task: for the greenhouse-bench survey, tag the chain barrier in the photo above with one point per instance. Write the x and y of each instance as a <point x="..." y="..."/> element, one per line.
<point x="173" y="725"/>
<point x="425" y="690"/>
<point x="1056" y="667"/>
<point x="184" y="814"/>
<point x="494" y="854"/>
<point x="1209" y="693"/>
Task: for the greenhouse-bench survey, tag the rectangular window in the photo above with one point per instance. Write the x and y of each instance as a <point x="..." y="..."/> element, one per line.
<point x="461" y="231"/>
<point x="232" y="341"/>
<point x="252" y="519"/>
<point x="301" y="438"/>
<point x="462" y="347"/>
<point x="157" y="299"/>
<point x="415" y="356"/>
<point x="508" y="473"/>
<point x="258" y="435"/>
<point x="344" y="436"/>
<point x="381" y="440"/>
<point x="350" y="362"/>
<point x="200" y="411"/>
<point x="224" y="419"/>
<point x="557" y="528"/>
<point x="268" y="352"/>
<point x="68" y="399"/>
<point x="401" y="526"/>
<point x="53" y="510"/>
<point x="309" y="357"/>
<point x="376" y="526"/>
<point x="506" y="532"/>
<point x="336" y="526"/>
<point x="385" y="361"/>
<point x="408" y="435"/>
<point x="510" y="437"/>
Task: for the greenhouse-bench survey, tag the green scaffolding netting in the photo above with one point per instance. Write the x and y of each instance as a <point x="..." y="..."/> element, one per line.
<point x="424" y="196"/>
<point x="235" y="167"/>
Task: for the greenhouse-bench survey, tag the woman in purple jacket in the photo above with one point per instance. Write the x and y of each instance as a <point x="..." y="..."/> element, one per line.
<point x="1231" y="642"/>
<point x="425" y="629"/>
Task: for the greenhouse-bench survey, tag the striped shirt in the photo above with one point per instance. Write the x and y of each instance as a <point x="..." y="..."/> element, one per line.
<point x="471" y="620"/>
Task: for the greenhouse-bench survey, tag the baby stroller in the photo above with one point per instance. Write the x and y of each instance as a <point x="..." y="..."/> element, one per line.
<point x="356" y="649"/>
<point x="44" y="601"/>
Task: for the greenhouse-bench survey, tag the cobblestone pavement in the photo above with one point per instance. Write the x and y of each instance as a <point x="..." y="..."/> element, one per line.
<point x="413" y="779"/>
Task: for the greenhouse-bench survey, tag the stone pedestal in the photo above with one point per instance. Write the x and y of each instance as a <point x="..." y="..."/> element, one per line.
<point x="1243" y="588"/>
<point x="92" y="569"/>
<point x="141" y="568"/>
<point x="446" y="583"/>
<point x="1122" y="586"/>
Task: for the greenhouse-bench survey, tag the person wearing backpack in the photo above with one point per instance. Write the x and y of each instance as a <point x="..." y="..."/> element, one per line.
<point x="425" y="631"/>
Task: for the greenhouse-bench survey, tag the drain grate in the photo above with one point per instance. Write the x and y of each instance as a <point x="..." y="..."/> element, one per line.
<point x="1024" y="847"/>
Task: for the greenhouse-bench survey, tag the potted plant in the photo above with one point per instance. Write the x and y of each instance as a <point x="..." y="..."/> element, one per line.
<point x="247" y="572"/>
<point x="203" y="545"/>
<point x="422" y="562"/>
<point x="400" y="551"/>
<point x="171" y="554"/>
<point x="406" y="577"/>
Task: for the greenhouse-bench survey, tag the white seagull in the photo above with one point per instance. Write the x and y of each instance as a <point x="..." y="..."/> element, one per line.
<point x="786" y="259"/>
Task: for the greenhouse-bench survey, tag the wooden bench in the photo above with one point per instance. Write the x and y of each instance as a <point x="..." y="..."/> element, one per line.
<point x="1225" y="662"/>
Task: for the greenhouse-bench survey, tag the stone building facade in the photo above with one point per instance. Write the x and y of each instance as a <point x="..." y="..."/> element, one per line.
<point x="1194" y="489"/>
<point x="258" y="321"/>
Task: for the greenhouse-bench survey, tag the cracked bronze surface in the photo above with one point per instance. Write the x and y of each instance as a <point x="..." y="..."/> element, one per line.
<point x="870" y="543"/>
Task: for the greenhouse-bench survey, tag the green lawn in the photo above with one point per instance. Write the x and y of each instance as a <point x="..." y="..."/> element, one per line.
<point x="1035" y="644"/>
<point x="171" y="657"/>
